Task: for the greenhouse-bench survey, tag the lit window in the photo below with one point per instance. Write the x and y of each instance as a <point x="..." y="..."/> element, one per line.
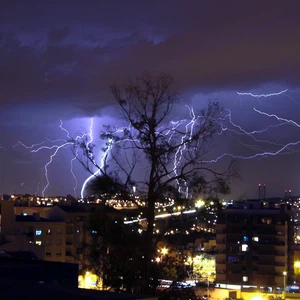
<point x="38" y="243"/>
<point x="233" y="259"/>
<point x="245" y="278"/>
<point x="244" y="247"/>
<point x="245" y="238"/>
<point x="48" y="231"/>
<point x="38" y="232"/>
<point x="255" y="239"/>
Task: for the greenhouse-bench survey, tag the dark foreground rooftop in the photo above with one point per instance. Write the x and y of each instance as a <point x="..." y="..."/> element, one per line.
<point x="50" y="292"/>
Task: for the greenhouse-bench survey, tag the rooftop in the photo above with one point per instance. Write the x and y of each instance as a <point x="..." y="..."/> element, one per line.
<point x="31" y="218"/>
<point x="50" y="292"/>
<point x="22" y="255"/>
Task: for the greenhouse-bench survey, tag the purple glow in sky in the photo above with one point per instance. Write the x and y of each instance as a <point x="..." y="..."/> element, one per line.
<point x="57" y="60"/>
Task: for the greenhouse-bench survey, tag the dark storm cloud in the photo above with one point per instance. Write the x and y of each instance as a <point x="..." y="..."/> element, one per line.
<point x="57" y="35"/>
<point x="63" y="49"/>
<point x="58" y="58"/>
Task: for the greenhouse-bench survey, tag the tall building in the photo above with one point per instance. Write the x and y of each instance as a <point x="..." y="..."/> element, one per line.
<point x="255" y="245"/>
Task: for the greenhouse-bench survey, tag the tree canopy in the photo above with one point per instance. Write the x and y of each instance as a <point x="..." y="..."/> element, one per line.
<point x="156" y="150"/>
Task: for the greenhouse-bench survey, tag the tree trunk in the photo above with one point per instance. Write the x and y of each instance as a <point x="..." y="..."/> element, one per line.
<point x="149" y="243"/>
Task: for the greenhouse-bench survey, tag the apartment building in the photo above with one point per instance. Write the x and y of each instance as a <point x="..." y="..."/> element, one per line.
<point x="60" y="230"/>
<point x="43" y="232"/>
<point x="76" y="222"/>
<point x="48" y="234"/>
<point x="255" y="245"/>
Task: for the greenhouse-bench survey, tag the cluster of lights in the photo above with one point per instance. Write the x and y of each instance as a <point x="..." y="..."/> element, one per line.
<point x="119" y="204"/>
<point x="39" y="201"/>
<point x="169" y="202"/>
<point x="296" y="207"/>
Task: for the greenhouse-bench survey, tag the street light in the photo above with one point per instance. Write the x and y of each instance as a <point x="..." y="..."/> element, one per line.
<point x="164" y="251"/>
<point x="284" y="283"/>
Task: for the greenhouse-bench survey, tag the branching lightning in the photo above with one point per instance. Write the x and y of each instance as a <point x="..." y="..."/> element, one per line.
<point x="261" y="147"/>
<point x="282" y="148"/>
<point x="57" y="145"/>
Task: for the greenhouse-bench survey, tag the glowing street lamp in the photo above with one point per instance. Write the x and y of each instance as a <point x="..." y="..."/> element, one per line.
<point x="164" y="251"/>
<point x="284" y="283"/>
<point x="199" y="203"/>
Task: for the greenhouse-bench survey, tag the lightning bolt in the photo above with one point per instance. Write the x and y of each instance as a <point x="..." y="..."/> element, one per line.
<point x="74" y="176"/>
<point x="262" y="95"/>
<point x="19" y="143"/>
<point x="98" y="172"/>
<point x="286" y="148"/>
<point x="104" y="156"/>
<point x="285" y="121"/>
<point x="189" y="129"/>
<point x="57" y="145"/>
<point x="50" y="161"/>
<point x="181" y="131"/>
<point x="283" y="92"/>
<point x="257" y="155"/>
<point x="226" y="124"/>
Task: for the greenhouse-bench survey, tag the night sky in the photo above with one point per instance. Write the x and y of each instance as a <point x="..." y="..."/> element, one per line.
<point x="58" y="59"/>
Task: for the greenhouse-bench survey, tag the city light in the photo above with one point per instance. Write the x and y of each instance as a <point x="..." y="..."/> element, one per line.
<point x="164" y="251"/>
<point x="284" y="283"/>
<point x="199" y="203"/>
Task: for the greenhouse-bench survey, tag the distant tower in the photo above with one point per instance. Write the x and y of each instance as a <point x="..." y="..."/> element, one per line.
<point x="261" y="191"/>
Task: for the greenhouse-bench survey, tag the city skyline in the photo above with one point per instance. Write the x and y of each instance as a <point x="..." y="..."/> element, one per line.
<point x="58" y="61"/>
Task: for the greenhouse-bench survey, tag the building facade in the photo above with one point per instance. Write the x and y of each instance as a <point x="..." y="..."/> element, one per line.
<point x="255" y="245"/>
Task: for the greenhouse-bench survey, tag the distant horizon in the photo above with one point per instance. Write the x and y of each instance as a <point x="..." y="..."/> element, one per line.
<point x="224" y="198"/>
